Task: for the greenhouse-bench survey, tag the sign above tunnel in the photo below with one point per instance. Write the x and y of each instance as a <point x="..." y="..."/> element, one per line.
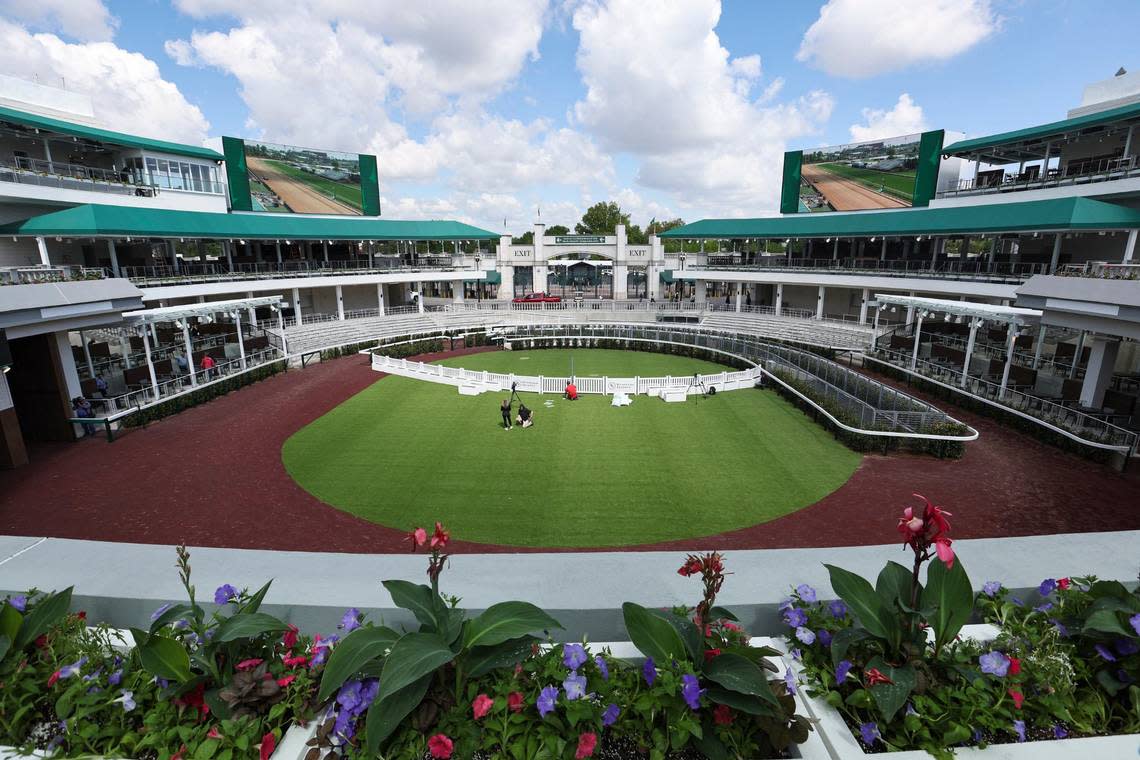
<point x="579" y="240"/>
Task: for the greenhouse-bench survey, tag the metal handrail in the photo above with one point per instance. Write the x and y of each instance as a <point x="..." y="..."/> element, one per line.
<point x="1075" y="172"/>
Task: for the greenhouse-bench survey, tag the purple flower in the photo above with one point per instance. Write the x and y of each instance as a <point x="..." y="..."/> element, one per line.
<point x="350" y="621"/>
<point x="1019" y="729"/>
<point x="838" y="608"/>
<point x="603" y="668"/>
<point x="1047" y="587"/>
<point x="786" y="604"/>
<point x="610" y="716"/>
<point x="1135" y="621"/>
<point x="1043" y="607"/>
<point x="1104" y="652"/>
<point x="224" y="593"/>
<point x="790" y="681"/>
<point x="1126" y="647"/>
<point x="321" y="650"/>
<point x="910" y="709"/>
<point x="691" y="691"/>
<point x="870" y="733"/>
<point x="1017" y="601"/>
<point x="842" y="669"/>
<point x="127" y="700"/>
<point x="797" y="654"/>
<point x="991" y="588"/>
<point x="162" y="682"/>
<point x="158" y="613"/>
<point x="352" y="700"/>
<point x="575" y="686"/>
<point x="795" y="617"/>
<point x="1061" y="629"/>
<point x="824" y="637"/>
<point x="806" y="635"/>
<point x="546" y="699"/>
<point x="1059" y="731"/>
<point x="115" y="678"/>
<point x="994" y="663"/>
<point x="573" y="655"/>
<point x="19" y="603"/>
<point x="67" y="671"/>
<point x="806" y="592"/>
<point x="649" y="670"/>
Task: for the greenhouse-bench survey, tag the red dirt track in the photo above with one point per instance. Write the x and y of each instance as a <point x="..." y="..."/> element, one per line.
<point x="212" y="476"/>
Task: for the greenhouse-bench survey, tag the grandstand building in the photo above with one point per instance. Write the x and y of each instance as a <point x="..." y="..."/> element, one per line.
<point x="123" y="265"/>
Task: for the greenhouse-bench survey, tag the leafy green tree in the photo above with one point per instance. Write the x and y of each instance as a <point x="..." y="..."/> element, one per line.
<point x="601" y="218"/>
<point x="527" y="238"/>
<point x="635" y="236"/>
<point x="557" y="229"/>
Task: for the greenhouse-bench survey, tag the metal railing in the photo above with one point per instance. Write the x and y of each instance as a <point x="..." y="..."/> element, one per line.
<point x="1073" y="173"/>
<point x="190" y="272"/>
<point x="34" y="275"/>
<point x="40" y="171"/>
<point x="971" y="269"/>
<point x="1101" y="270"/>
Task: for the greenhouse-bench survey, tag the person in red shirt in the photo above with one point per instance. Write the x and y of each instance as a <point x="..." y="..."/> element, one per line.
<point x="207" y="365"/>
<point x="571" y="391"/>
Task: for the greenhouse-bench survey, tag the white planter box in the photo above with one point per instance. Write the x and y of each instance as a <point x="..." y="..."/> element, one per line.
<point x="842" y="744"/>
<point x="292" y="746"/>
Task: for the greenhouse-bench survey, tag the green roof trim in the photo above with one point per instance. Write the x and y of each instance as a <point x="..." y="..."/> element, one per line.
<point x="1027" y="216"/>
<point x="105" y="135"/>
<point x="97" y="220"/>
<point x="1053" y="129"/>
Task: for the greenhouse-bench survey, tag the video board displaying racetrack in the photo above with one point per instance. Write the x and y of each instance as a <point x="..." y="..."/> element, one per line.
<point x="288" y="179"/>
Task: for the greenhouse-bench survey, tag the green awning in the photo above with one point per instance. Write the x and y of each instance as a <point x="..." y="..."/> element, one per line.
<point x="492" y="278"/>
<point x="1060" y="214"/>
<point x="1041" y="134"/>
<point x="124" y="221"/>
<point x="667" y="276"/>
<point x="36" y="121"/>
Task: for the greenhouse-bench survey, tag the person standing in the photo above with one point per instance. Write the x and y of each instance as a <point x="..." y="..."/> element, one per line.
<point x="505" y="409"/>
<point x="83" y="410"/>
<point x="207" y="366"/>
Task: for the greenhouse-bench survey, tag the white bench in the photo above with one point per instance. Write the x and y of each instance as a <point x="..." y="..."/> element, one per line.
<point x="673" y="397"/>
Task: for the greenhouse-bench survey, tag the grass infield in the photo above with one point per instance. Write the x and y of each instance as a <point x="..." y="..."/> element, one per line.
<point x="899" y="184"/>
<point x="405" y="452"/>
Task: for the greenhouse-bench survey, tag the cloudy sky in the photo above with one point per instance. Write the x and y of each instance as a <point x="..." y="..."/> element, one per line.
<point x="487" y="111"/>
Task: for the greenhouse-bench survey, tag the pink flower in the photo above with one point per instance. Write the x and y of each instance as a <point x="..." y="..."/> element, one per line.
<point x="249" y="664"/>
<point x="1014" y="666"/>
<point x="290" y="637"/>
<point x="711" y="653"/>
<point x="179" y="754"/>
<point x="214" y="733"/>
<point x="1017" y="698"/>
<point x="945" y="553"/>
<point x="293" y="662"/>
<point x="286" y="680"/>
<point x="1063" y="583"/>
<point x="515" y="701"/>
<point x="440" y="537"/>
<point x="53" y="678"/>
<point x="440" y="747"/>
<point x="481" y="706"/>
<point x="586" y="744"/>
<point x="418" y="537"/>
<point x="875" y="676"/>
<point x="268" y="744"/>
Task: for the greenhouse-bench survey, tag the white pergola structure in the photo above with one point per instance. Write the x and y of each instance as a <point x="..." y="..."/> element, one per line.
<point x="978" y="314"/>
<point x="147" y="318"/>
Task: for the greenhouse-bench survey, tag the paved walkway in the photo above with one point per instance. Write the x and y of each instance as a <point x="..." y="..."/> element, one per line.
<point x="212" y="476"/>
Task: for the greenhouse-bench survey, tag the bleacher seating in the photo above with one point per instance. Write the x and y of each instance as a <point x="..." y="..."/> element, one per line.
<point x="810" y="331"/>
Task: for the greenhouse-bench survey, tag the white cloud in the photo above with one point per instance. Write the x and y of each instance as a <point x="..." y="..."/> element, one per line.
<point x="905" y="118"/>
<point x="127" y="88"/>
<point x="862" y="38"/>
<point x="87" y="20"/>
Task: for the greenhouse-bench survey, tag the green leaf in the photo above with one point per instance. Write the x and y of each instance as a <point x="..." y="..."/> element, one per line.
<point x="1102" y="589"/>
<point x="721" y="613"/>
<point x="891" y="697"/>
<point x="710" y="746"/>
<point x="10" y="621"/>
<point x="175" y="612"/>
<point x="358" y="648"/>
<point x="950" y="594"/>
<point x="747" y="703"/>
<point x="482" y="660"/>
<point x="504" y="621"/>
<point x="866" y="605"/>
<point x="955" y="734"/>
<point x="1105" y="621"/>
<point x="385" y="715"/>
<point x="739" y="674"/>
<point x="163" y="657"/>
<point x="860" y="698"/>
<point x="248" y="626"/>
<point x="47" y="612"/>
<point x="894" y="585"/>
<point x="413" y="656"/>
<point x="254" y="603"/>
<point x="418" y="599"/>
<point x="842" y="640"/>
<point x="653" y="636"/>
<point x="5" y="645"/>
<point x="687" y="630"/>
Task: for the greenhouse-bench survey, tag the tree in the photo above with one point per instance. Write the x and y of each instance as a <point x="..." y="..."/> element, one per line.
<point x="557" y="229"/>
<point x="601" y="218"/>
<point x="527" y="238"/>
<point x="656" y="228"/>
<point x="635" y="236"/>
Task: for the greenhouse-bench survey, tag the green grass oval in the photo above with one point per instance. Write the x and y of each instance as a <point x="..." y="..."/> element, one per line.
<point x="405" y="452"/>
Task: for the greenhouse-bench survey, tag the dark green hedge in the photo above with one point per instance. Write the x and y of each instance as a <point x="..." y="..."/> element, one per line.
<point x="203" y="394"/>
<point x="621" y="344"/>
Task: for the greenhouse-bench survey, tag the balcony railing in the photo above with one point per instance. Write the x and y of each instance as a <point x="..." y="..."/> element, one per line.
<point x="1073" y="173"/>
<point x="38" y="171"/>
<point x="1101" y="270"/>
<point x="34" y="275"/>
<point x="972" y="269"/>
<point x="188" y="272"/>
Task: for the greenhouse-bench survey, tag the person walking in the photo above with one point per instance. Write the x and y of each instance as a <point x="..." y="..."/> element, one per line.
<point x="505" y="409"/>
<point x="83" y="410"/>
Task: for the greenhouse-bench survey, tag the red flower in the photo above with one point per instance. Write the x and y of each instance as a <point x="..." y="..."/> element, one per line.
<point x="194" y="698"/>
<point x="82" y="614"/>
<point x="481" y="706"/>
<point x="1063" y="583"/>
<point x="214" y="733"/>
<point x="1014" y="666"/>
<point x="586" y="744"/>
<point x="53" y="678"/>
<point x="290" y="637"/>
<point x="515" y="701"/>
<point x="874" y="676"/>
<point x="179" y="754"/>
<point x="249" y="664"/>
<point x="294" y="662"/>
<point x="418" y="537"/>
<point x="732" y="626"/>
<point x="286" y="680"/>
<point x="722" y="715"/>
<point x="711" y="653"/>
<point x="41" y="641"/>
<point x="1017" y="698"/>
<point x="268" y="744"/>
<point x="440" y="747"/>
<point x="440" y="537"/>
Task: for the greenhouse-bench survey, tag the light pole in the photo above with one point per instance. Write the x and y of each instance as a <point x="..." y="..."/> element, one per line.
<point x="478" y="283"/>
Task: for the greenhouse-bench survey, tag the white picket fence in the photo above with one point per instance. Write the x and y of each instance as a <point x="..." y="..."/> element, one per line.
<point x="482" y="381"/>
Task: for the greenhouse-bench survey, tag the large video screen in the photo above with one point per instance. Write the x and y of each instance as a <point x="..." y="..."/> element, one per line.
<point x="287" y="179"/>
<point x="860" y="176"/>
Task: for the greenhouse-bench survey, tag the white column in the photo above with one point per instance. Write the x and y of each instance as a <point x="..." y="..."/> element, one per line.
<point x="87" y="353"/>
<point x="738" y="297"/>
<point x="124" y="347"/>
<point x="325" y="250"/>
<point x="42" y="247"/>
<point x="47" y="155"/>
<point x="228" y="247"/>
<point x="281" y="329"/>
<point x="1053" y="262"/>
<point x="150" y="363"/>
<point x="277" y="246"/>
<point x="241" y="341"/>
<point x="779" y="297"/>
<point x="1098" y="374"/>
<point x="883" y="251"/>
<point x="917" y="336"/>
<point x="1077" y="354"/>
<point x="819" y="302"/>
<point x="114" y="257"/>
<point x="380" y="297"/>
<point x="1045" y="163"/>
<point x="1037" y="348"/>
<point x="910" y="310"/>
<point x="875" y="327"/>
<point x="252" y="311"/>
<point x="297" y="305"/>
<point x="173" y="255"/>
<point x="1011" y="339"/>
<point x="420" y="297"/>
<point x="969" y="352"/>
<point x="835" y="250"/>
<point x="863" y="306"/>
<point x="934" y="246"/>
<point x="340" y="303"/>
<point x="189" y="350"/>
<point x="457" y="292"/>
<point x="1130" y="246"/>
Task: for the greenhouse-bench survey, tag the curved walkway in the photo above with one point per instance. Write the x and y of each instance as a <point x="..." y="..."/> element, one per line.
<point x="212" y="476"/>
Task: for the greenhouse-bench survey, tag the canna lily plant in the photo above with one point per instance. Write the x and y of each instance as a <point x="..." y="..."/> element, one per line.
<point x="424" y="672"/>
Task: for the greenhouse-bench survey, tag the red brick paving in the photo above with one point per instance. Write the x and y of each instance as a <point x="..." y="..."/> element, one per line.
<point x="212" y="476"/>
